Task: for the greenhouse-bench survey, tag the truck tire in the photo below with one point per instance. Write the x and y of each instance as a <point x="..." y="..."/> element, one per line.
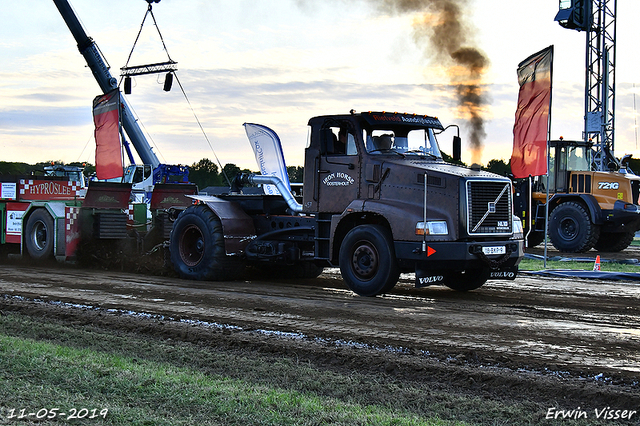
<point x="39" y="235"/>
<point x="571" y="229"/>
<point x="614" y="241"/>
<point x="197" y="246"/>
<point x="467" y="280"/>
<point x="367" y="260"/>
<point x="308" y="270"/>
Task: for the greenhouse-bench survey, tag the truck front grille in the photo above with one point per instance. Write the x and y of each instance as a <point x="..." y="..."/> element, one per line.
<point x="489" y="207"/>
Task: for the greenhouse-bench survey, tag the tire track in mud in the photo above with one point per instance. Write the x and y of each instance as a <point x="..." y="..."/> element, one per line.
<point x="587" y="327"/>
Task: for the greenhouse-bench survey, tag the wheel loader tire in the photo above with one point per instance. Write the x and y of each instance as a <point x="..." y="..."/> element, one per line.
<point x="614" y="241"/>
<point x="367" y="260"/>
<point x="39" y="235"/>
<point x="197" y="246"/>
<point x="571" y="229"/>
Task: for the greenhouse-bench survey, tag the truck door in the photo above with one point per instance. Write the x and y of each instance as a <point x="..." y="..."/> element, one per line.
<point x="339" y="169"/>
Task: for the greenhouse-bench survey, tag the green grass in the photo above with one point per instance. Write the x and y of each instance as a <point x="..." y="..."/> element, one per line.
<point x="537" y="265"/>
<point x="160" y="388"/>
<point x="40" y="375"/>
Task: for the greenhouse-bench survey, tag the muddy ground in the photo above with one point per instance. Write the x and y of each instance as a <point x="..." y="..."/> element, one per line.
<point x="556" y="342"/>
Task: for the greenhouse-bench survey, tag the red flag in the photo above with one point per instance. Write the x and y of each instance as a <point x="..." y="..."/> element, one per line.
<point x="530" y="132"/>
<point x="106" y="116"/>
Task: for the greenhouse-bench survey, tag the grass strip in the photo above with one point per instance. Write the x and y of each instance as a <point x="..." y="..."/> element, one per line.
<point x="538" y="265"/>
<point x="37" y="375"/>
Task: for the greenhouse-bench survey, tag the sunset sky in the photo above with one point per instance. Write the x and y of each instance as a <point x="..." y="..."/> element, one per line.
<point x="279" y="63"/>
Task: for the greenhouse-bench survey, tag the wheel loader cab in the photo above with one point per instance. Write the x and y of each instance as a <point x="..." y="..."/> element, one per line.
<point x="566" y="157"/>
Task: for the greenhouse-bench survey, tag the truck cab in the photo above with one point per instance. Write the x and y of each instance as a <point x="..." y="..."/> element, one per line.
<point x="379" y="183"/>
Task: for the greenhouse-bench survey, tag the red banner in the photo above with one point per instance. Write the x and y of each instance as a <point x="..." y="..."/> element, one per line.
<point x="531" y="129"/>
<point x="106" y="116"/>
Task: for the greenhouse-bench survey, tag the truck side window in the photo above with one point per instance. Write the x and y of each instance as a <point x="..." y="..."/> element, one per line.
<point x="137" y="177"/>
<point x="342" y="142"/>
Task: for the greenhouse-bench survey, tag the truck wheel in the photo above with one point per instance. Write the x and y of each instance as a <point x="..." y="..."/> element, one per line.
<point x="197" y="246"/>
<point x="535" y="238"/>
<point x="467" y="280"/>
<point x="614" y="241"/>
<point x="309" y="270"/>
<point x="39" y="235"/>
<point x="367" y="260"/>
<point x="571" y="229"/>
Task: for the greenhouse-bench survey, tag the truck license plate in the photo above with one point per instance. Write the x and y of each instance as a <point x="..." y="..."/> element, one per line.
<point x="494" y="250"/>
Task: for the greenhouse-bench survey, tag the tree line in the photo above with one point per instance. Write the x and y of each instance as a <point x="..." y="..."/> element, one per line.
<point x="203" y="173"/>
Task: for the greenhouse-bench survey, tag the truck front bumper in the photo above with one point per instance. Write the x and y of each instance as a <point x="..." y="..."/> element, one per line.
<point x="499" y="258"/>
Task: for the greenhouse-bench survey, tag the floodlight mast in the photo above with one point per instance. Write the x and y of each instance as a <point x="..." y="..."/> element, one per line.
<point x="598" y="19"/>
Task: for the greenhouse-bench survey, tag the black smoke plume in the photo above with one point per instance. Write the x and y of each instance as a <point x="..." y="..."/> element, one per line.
<point x="445" y="36"/>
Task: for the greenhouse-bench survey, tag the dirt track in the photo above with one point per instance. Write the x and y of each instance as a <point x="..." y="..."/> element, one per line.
<point x="581" y="336"/>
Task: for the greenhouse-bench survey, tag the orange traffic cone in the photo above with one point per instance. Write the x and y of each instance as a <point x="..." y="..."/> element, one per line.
<point x="596" y="266"/>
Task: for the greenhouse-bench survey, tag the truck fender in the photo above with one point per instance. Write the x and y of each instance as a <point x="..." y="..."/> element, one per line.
<point x="237" y="225"/>
<point x="399" y="218"/>
<point x="595" y="212"/>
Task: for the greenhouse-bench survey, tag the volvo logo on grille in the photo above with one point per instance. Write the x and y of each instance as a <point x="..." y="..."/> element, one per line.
<point x="491" y="207"/>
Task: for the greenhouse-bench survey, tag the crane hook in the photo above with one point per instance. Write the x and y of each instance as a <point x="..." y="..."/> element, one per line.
<point x="152" y="1"/>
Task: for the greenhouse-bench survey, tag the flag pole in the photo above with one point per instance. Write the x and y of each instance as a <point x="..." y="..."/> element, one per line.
<point x="546" y="209"/>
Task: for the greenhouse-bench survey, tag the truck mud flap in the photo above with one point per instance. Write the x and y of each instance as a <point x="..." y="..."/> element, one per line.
<point x="504" y="274"/>
<point x="107" y="195"/>
<point x="172" y="195"/>
<point x="425" y="278"/>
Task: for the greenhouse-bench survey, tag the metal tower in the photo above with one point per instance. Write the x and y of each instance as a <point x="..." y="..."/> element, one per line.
<point x="598" y="19"/>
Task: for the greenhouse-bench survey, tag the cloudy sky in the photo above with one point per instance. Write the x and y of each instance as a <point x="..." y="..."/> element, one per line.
<point x="278" y="63"/>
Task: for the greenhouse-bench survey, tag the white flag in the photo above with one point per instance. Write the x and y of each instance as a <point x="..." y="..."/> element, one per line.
<point x="268" y="151"/>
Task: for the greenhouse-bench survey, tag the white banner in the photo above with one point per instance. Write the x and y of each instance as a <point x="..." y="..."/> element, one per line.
<point x="8" y="191"/>
<point x="268" y="151"/>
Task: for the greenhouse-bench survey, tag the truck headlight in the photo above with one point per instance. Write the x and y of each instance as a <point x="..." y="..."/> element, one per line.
<point x="434" y="227"/>
<point x="518" y="230"/>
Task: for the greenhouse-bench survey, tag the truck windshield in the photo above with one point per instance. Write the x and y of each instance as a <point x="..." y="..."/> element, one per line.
<point x="71" y="174"/>
<point x="415" y="142"/>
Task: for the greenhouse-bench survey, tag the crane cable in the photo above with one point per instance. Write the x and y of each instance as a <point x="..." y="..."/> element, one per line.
<point x="202" y="129"/>
<point x="155" y="23"/>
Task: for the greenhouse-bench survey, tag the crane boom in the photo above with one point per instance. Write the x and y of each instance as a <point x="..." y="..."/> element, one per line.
<point x="107" y="82"/>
